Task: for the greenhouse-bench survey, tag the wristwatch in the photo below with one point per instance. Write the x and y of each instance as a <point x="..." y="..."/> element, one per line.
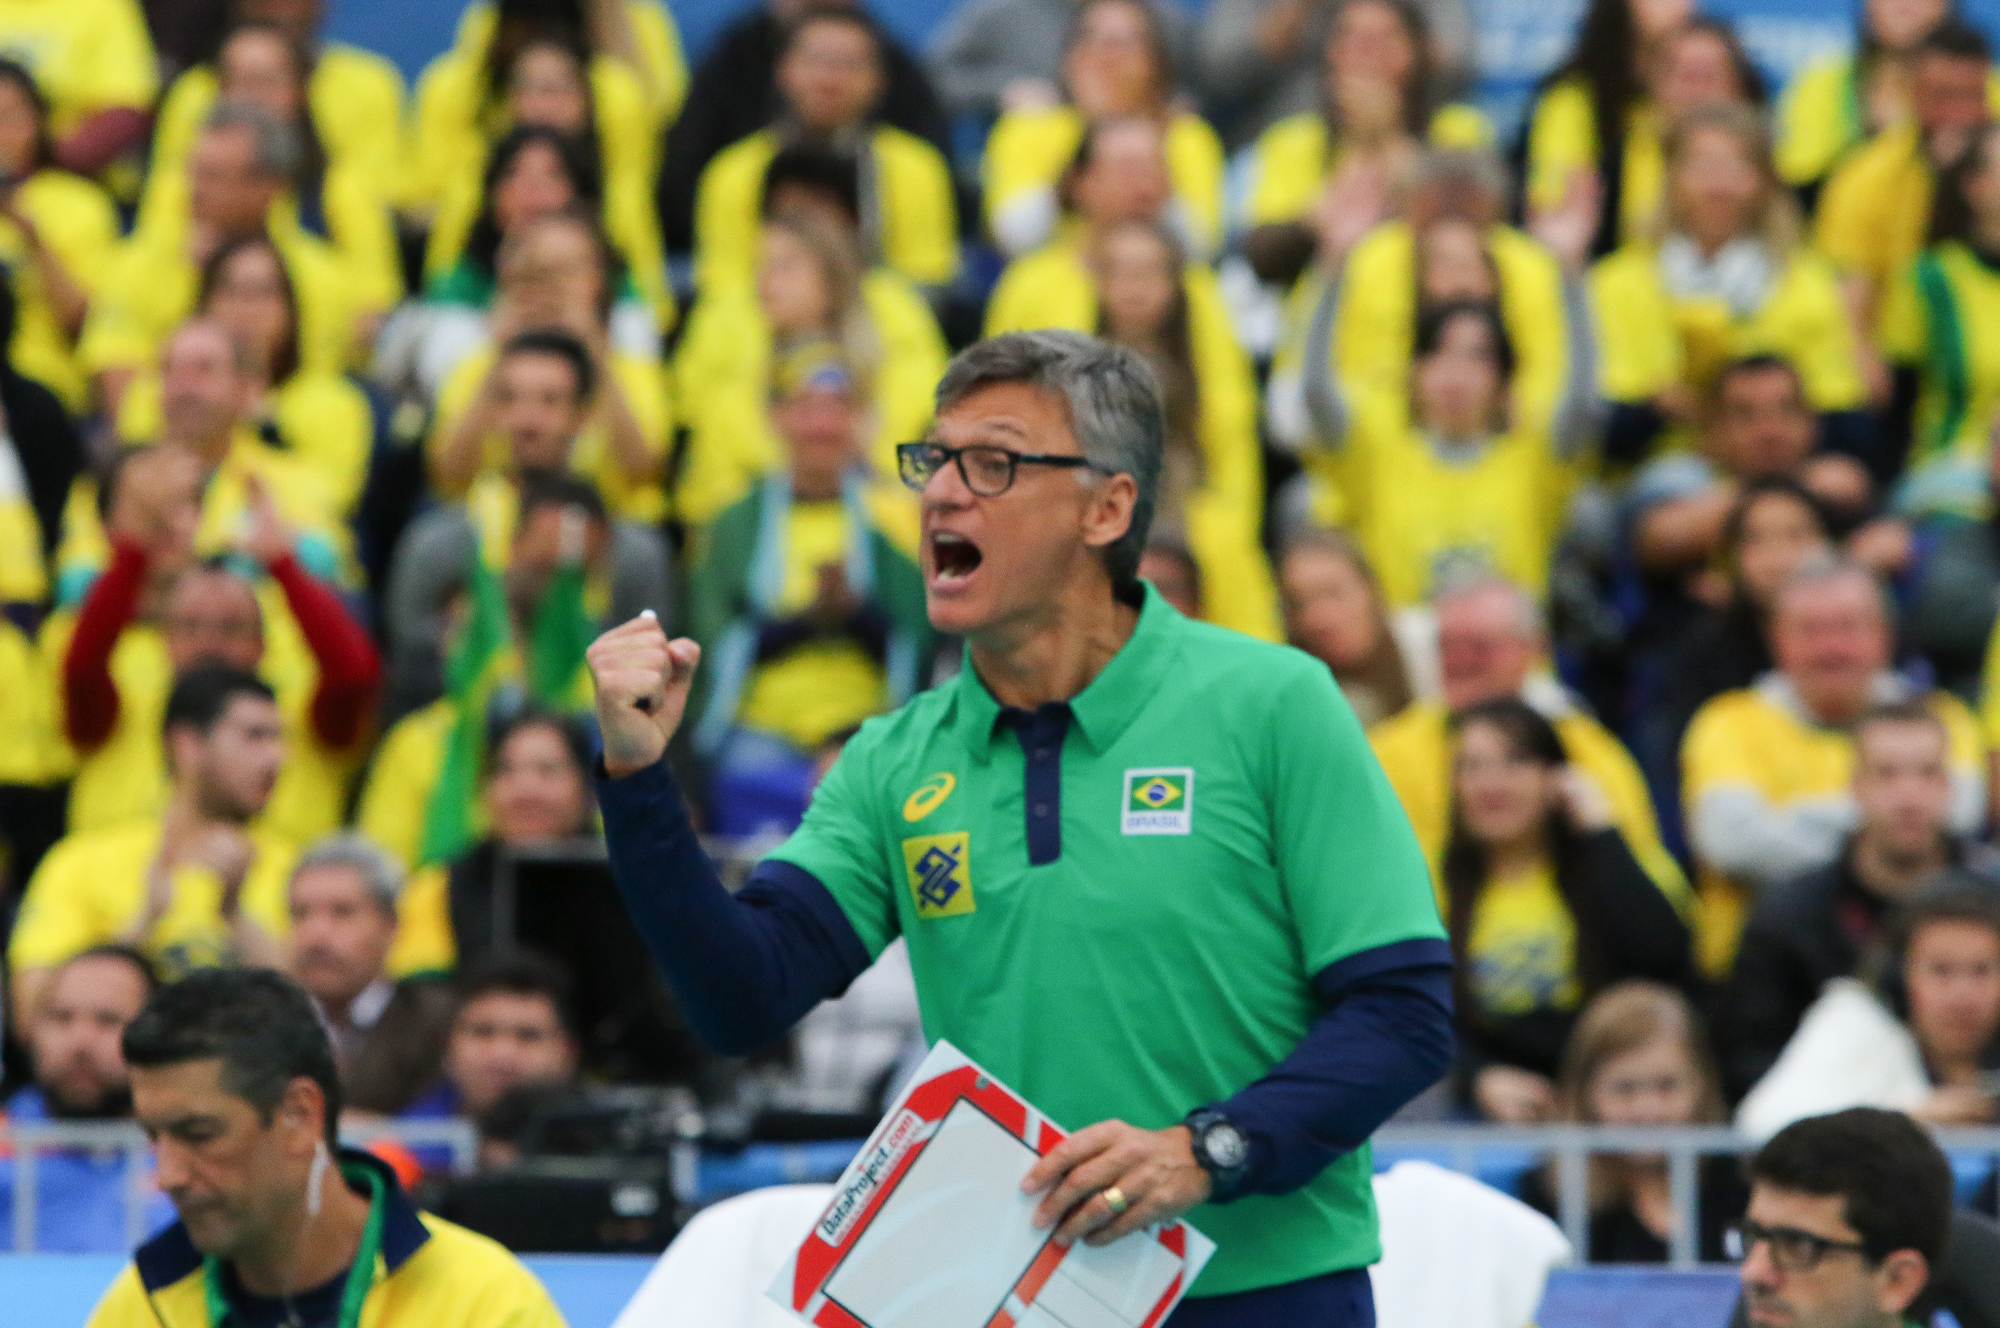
<point x="1222" y="1150"/>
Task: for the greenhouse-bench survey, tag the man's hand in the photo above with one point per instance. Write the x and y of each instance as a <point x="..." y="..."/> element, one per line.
<point x="1153" y="1170"/>
<point x="642" y="682"/>
<point x="1567" y="229"/>
<point x="265" y="536"/>
<point x="228" y="852"/>
<point x="1354" y="201"/>
<point x="1514" y="1096"/>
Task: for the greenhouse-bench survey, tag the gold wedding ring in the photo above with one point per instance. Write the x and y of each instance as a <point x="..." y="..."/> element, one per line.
<point x="1115" y="1200"/>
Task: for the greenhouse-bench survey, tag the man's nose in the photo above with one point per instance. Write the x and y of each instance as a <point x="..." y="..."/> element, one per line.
<point x="170" y="1169"/>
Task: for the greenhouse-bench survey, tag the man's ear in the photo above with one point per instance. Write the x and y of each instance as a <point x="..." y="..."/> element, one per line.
<point x="302" y="1113"/>
<point x="1900" y="1280"/>
<point x="1109" y="514"/>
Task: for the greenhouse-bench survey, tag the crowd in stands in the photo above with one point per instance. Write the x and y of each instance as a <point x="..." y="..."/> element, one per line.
<point x="1632" y="469"/>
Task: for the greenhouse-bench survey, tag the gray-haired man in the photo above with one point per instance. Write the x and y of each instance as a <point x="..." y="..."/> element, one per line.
<point x="1147" y="869"/>
<point x="388" y="1036"/>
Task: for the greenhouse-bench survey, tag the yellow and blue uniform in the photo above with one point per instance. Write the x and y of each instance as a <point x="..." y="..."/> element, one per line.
<point x="1051" y="288"/>
<point x="1562" y="139"/>
<point x="86" y="55"/>
<point x="1821" y="121"/>
<point x="77" y="222"/>
<point x="1942" y="315"/>
<point x="1292" y="160"/>
<point x="1029" y="150"/>
<point x="418" y="1269"/>
<point x="914" y="205"/>
<point x="722" y="370"/>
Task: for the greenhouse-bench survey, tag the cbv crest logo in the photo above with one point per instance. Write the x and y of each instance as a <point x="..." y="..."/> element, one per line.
<point x="940" y="872"/>
<point x="1158" y="802"/>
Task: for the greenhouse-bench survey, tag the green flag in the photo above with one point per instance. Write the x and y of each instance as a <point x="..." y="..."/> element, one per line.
<point x="471" y="672"/>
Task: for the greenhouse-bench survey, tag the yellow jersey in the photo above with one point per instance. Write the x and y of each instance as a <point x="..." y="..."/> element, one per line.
<point x="1875" y="211"/>
<point x="77" y="222"/>
<point x="1028" y="151"/>
<point x="28" y="740"/>
<point x="86" y="55"/>
<point x="915" y="209"/>
<point x="397" y="792"/>
<point x="1292" y="160"/>
<point x="1562" y="139"/>
<point x="1942" y="315"/>
<point x="1520" y="952"/>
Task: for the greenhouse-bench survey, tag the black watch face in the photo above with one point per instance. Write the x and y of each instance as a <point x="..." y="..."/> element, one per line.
<point x="1225" y="1146"/>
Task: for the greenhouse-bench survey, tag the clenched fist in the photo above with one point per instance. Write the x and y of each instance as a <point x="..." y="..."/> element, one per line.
<point x="642" y="682"/>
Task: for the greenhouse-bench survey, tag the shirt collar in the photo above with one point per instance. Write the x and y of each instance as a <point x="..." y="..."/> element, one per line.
<point x="1111" y="700"/>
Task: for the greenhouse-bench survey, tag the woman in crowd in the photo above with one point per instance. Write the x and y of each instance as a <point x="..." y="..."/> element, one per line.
<point x="1212" y="483"/>
<point x="1639" y="1058"/>
<point x="1378" y="101"/>
<point x="1545" y="904"/>
<point x="1334" y="611"/>
<point x="810" y="287"/>
<point x="1116" y="63"/>
<point x="56" y="232"/>
<point x="1725" y="276"/>
<point x="561" y="274"/>
<point x="639" y="34"/>
<point x="548" y="87"/>
<point x="317" y="416"/>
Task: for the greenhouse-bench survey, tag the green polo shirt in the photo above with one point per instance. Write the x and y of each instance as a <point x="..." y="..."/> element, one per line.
<point x="1127" y="926"/>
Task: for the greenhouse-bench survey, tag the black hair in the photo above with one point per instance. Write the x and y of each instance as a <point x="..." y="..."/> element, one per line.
<point x="260" y="1024"/>
<point x="820" y="11"/>
<point x="1764" y="486"/>
<point x="202" y="695"/>
<point x="1748" y="76"/>
<point x="1419" y="92"/>
<point x="1159" y="45"/>
<point x="1762" y="362"/>
<point x="1960" y="903"/>
<point x="1912" y="711"/>
<point x="9" y="309"/>
<point x="13" y="71"/>
<point x="1956" y="39"/>
<point x="519" y="24"/>
<point x="286" y="362"/>
<point x="561" y="345"/>
<point x="522" y="973"/>
<point x="1952" y="214"/>
<point x="1433" y="321"/>
<point x="1896" y="1184"/>
<point x="822" y="170"/>
<point x="130" y="955"/>
<point x="579" y="162"/>
<point x="554" y="488"/>
<point x="1606" y="58"/>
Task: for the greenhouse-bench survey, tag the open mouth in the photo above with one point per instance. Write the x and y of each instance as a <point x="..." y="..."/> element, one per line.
<point x="954" y="557"/>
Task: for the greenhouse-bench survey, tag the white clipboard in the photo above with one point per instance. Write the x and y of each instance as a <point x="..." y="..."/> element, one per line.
<point x="928" y="1227"/>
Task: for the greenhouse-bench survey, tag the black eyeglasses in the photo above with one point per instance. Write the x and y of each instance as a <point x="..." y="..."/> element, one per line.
<point x="1792" y="1250"/>
<point x="987" y="471"/>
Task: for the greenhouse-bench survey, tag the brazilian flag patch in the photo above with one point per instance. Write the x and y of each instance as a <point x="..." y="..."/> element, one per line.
<point x="940" y="872"/>
<point x="1158" y="802"/>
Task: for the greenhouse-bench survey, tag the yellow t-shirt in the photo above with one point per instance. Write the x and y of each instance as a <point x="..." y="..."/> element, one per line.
<point x="24" y="572"/>
<point x="1650" y="340"/>
<point x="665" y="72"/>
<point x="1290" y="162"/>
<point x="916" y="210"/>
<point x="1051" y="288"/>
<point x="78" y="224"/>
<point x="92" y="886"/>
<point x="27" y="733"/>
<point x="722" y="372"/>
<point x="1029" y="150"/>
<point x="397" y="794"/>
<point x="86" y="55"/>
<point x="1876" y="208"/>
<point x="150" y="285"/>
<point x="1562" y="139"/>
<point x="1750" y="740"/>
<point x="1942" y="315"/>
<point x="1414" y="747"/>
<point x="1521" y="949"/>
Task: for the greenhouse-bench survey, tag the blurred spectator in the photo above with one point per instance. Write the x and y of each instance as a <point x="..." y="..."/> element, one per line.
<point x="830" y="73"/>
<point x="1638" y="1058"/>
<point x="1377" y="100"/>
<point x="79" y="1075"/>
<point x="1726" y="279"/>
<point x="810" y="614"/>
<point x="197" y="885"/>
<point x="994" y="56"/>
<point x="1212" y="477"/>
<point x="40" y="456"/>
<point x="512" y="1032"/>
<point x="1491" y="641"/>
<point x="241" y="166"/>
<point x="1174" y="573"/>
<point x="1116" y="63"/>
<point x="1806" y="932"/>
<point x="639" y="34"/>
<point x="351" y="938"/>
<point x="1925" y="1040"/>
<point x="1545" y="904"/>
<point x="1283" y="58"/>
<point x="1334" y="611"/>
<point x="549" y="93"/>
<point x="1835" y="105"/>
<point x="94" y="62"/>
<point x="735" y="93"/>
<point x="1875" y="212"/>
<point x="601" y="412"/>
<point x="122" y="654"/>
<point x="1767" y="770"/>
<point x="1848" y="1221"/>
<point x="57" y="231"/>
<point x="810" y="287"/>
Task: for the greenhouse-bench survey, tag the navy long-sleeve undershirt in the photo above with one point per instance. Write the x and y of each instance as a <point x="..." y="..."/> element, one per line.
<point x="748" y="966"/>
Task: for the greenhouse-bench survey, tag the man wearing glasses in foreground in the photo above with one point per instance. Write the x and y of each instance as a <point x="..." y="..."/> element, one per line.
<point x="1848" y="1221"/>
<point x="1148" y="870"/>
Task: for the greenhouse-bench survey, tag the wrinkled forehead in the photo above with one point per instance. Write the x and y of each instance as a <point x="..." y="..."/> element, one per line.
<point x="1025" y="417"/>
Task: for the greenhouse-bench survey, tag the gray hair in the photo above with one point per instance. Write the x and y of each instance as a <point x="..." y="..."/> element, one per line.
<point x="1471" y="583"/>
<point x="1822" y="569"/>
<point x="380" y="874"/>
<point x="1115" y="406"/>
<point x="278" y="154"/>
